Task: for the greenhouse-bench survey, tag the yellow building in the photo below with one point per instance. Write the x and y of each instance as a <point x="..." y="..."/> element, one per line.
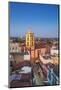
<point x="30" y="40"/>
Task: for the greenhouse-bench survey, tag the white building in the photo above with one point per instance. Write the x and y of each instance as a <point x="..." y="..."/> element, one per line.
<point x="54" y="51"/>
<point x="27" y="57"/>
<point x="14" y="47"/>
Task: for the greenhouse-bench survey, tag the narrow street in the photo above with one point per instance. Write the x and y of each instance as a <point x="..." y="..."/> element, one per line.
<point x="38" y="75"/>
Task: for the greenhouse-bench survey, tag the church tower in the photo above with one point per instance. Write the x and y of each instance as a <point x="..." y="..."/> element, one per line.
<point x="30" y="42"/>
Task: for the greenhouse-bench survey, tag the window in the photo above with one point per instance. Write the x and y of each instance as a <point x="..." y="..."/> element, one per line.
<point x="27" y="43"/>
<point x="27" y="38"/>
<point x="13" y="48"/>
<point x="16" y="48"/>
<point x="32" y="43"/>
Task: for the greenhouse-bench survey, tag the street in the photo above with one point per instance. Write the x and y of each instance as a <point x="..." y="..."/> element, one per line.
<point x="38" y="75"/>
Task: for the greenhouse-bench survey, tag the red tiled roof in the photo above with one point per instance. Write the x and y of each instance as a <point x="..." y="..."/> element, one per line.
<point x="40" y="45"/>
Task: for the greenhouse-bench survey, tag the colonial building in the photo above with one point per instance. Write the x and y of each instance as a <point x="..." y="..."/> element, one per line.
<point x="14" y="47"/>
<point x="34" y="48"/>
<point x="54" y="50"/>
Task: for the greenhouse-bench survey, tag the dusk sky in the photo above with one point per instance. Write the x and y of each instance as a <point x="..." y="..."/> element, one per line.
<point x="42" y="18"/>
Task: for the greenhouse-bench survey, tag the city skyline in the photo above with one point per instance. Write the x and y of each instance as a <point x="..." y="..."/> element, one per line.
<point x="42" y="18"/>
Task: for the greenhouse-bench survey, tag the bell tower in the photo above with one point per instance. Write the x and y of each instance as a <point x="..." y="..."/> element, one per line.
<point x="30" y="42"/>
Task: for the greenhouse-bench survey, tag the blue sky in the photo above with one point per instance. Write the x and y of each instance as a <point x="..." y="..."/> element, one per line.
<point x="42" y="18"/>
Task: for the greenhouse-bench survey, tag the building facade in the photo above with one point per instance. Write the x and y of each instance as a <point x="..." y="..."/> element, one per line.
<point x="14" y="47"/>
